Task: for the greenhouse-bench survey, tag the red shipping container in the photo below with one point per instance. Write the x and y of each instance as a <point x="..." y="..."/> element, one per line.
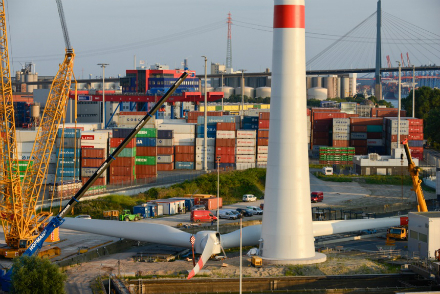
<point x="146" y="151"/>
<point x="225" y="150"/>
<point x="360" y="129"/>
<point x="263" y="133"/>
<point x="264" y="116"/>
<point x="358" y="143"/>
<point x="224" y="126"/>
<point x="416" y="149"/>
<point x="320" y="135"/>
<point x="263" y="142"/>
<point x="145" y="170"/>
<point x="322" y="126"/>
<point x="132" y="112"/>
<point x="225" y="158"/>
<point x="123" y="162"/>
<point x="308" y="111"/>
<point x="91" y="162"/>
<point x="115" y="142"/>
<point x="120" y="179"/>
<point x="145" y="176"/>
<point x="186" y="157"/>
<point x="366" y="121"/>
<point x="319" y="109"/>
<point x="360" y="150"/>
<point x="98" y="182"/>
<point x="165" y="166"/>
<point x="415" y="129"/>
<point x="93" y="153"/>
<point x="349" y="115"/>
<point x="184" y="150"/>
<point x="121" y="171"/>
<point x="393" y="138"/>
<point x="340" y="143"/>
<point x="328" y="115"/>
<point x="374" y="135"/>
<point x="419" y="156"/>
<point x="415" y="136"/>
<point x="415" y="122"/>
<point x="164" y="150"/>
<point x="225" y="142"/>
<point x="320" y="141"/>
<point x="211" y="203"/>
<point x="263" y="124"/>
<point x="388" y="112"/>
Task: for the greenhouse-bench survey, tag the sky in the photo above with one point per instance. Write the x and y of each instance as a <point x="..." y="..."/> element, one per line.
<point x="168" y="31"/>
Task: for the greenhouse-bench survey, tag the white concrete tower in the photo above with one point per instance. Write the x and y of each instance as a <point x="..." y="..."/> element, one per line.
<point x="287" y="232"/>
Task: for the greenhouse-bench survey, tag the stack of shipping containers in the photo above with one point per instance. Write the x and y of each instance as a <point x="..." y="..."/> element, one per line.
<point x="225" y="145"/>
<point x="415" y="137"/>
<point x="90" y="141"/>
<point x="22" y="113"/>
<point x="25" y="142"/>
<point x="165" y="154"/>
<point x="336" y="155"/>
<point x="375" y="141"/>
<point x="146" y="152"/>
<point x="263" y="139"/>
<point x="210" y="152"/>
<point x="390" y="126"/>
<point x="122" y="170"/>
<point x="68" y="163"/>
<point x="184" y="157"/>
<point x="322" y="120"/>
<point x="246" y="155"/>
<point x="341" y="132"/>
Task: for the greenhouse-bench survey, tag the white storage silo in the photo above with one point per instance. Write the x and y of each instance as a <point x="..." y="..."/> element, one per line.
<point x="227" y="91"/>
<point x="317" y="93"/>
<point x="345" y="87"/>
<point x="248" y="91"/>
<point x="263" y="92"/>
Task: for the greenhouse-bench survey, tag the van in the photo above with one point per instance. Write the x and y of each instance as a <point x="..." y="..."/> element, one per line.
<point x="317" y="196"/>
<point x="202" y="216"/>
<point x="249" y="198"/>
<point x="327" y="171"/>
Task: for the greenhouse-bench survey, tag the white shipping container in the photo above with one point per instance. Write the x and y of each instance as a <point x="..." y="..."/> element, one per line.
<point x="200" y="165"/>
<point x="133" y="119"/>
<point x="184" y="139"/>
<point x="245" y="150"/>
<point x="261" y="164"/>
<point x="87" y="172"/>
<point x="261" y="157"/>
<point x="94" y="137"/>
<point x="341" y="129"/>
<point x="209" y="149"/>
<point x="246" y="134"/>
<point x="25" y="136"/>
<point x="358" y="136"/>
<point x="164" y="142"/>
<point x="374" y="142"/>
<point x="201" y="142"/>
<point x="201" y="157"/>
<point x="341" y="121"/>
<point x="263" y="149"/>
<point x="165" y="158"/>
<point x="178" y="128"/>
<point x="147" y="126"/>
<point x="94" y="145"/>
<point x="403" y="131"/>
<point x="246" y="158"/>
<point x="25" y="147"/>
<point x="245" y="142"/>
<point x="81" y="126"/>
<point x="403" y="123"/>
<point x="225" y="134"/>
<point x="340" y="136"/>
<point x="27" y="156"/>
<point x="243" y="166"/>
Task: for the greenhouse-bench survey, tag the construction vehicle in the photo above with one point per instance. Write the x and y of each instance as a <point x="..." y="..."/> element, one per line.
<point x="401" y="232"/>
<point x="256" y="261"/>
<point x="111" y="214"/>
<point x="127" y="216"/>
<point x="56" y="221"/>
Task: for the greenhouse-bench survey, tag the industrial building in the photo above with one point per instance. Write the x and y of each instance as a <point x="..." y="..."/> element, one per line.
<point x="423" y="235"/>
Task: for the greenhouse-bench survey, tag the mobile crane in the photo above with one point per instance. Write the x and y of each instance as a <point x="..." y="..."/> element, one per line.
<point x="402" y="231"/>
<point x="56" y="221"/>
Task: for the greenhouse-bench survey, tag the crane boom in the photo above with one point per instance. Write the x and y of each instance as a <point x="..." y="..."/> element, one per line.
<point x="417" y="182"/>
<point x="10" y="189"/>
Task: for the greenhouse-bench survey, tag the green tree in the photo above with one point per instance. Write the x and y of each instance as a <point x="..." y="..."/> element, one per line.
<point x="432" y="124"/>
<point x="426" y="99"/>
<point x="34" y="275"/>
<point x="313" y="102"/>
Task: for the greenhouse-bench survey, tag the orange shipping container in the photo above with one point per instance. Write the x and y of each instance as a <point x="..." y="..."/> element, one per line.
<point x="123" y="162"/>
<point x="91" y="162"/>
<point x="93" y="153"/>
<point x="263" y="133"/>
<point x="184" y="150"/>
<point x="120" y="179"/>
<point x="225" y="151"/>
<point x="366" y="121"/>
<point x="340" y="143"/>
<point x="184" y="157"/>
<point x="264" y="115"/>
<point x="146" y="170"/>
<point x="98" y="182"/>
<point x="121" y="171"/>
<point x="146" y="151"/>
<point x="415" y="122"/>
<point x="225" y="142"/>
<point x="415" y="136"/>
<point x="115" y="142"/>
<point x="165" y="166"/>
<point x="263" y="142"/>
<point x="165" y="150"/>
<point x="224" y="126"/>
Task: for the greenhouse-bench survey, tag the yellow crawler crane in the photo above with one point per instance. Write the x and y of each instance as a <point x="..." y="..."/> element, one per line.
<point x="23" y="222"/>
<point x="10" y="189"/>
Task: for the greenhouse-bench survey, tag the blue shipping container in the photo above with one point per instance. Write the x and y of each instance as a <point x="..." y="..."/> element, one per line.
<point x="142" y="210"/>
<point x="69" y="133"/>
<point x="211" y="128"/>
<point x="121" y="133"/>
<point x="68" y="172"/>
<point x="68" y="152"/>
<point x="250" y="126"/>
<point x="217" y="119"/>
<point x="165" y="134"/>
<point x="145" y="142"/>
<point x="183" y="165"/>
<point x="250" y="119"/>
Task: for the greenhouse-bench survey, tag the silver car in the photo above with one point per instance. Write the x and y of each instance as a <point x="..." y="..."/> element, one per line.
<point x="255" y="210"/>
<point x="226" y="214"/>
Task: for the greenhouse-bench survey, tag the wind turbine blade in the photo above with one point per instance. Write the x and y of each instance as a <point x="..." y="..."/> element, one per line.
<point x="207" y="252"/>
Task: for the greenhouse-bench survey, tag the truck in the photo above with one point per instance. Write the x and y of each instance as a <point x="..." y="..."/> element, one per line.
<point x="111" y="214"/>
<point x="398" y="233"/>
<point x="126" y="215"/>
<point x="58" y="220"/>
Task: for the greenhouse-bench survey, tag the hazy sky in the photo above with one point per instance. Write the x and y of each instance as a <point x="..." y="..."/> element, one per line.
<point x="168" y="31"/>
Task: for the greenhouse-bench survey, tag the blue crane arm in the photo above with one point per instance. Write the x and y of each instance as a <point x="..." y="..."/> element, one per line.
<point x="56" y="221"/>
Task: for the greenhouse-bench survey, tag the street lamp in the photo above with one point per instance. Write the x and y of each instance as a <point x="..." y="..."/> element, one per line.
<point x="242" y="92"/>
<point x="205" y="145"/>
<point x="398" y="107"/>
<point x="414" y="93"/>
<point x="103" y="65"/>
<point x="218" y="193"/>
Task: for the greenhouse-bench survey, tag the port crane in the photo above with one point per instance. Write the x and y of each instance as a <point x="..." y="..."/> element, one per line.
<point x="21" y="223"/>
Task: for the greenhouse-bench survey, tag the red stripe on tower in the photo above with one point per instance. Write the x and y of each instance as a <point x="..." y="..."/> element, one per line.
<point x="289" y="16"/>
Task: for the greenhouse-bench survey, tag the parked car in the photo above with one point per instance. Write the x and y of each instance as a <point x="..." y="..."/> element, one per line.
<point x="198" y="207"/>
<point x="83" y="216"/>
<point x="245" y="212"/>
<point x="327" y="171"/>
<point x="249" y="198"/>
<point x="255" y="210"/>
<point x="227" y="214"/>
<point x="239" y="215"/>
<point x="202" y="216"/>
<point x="317" y="196"/>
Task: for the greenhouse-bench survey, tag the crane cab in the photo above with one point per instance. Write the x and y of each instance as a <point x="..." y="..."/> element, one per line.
<point x="24" y="243"/>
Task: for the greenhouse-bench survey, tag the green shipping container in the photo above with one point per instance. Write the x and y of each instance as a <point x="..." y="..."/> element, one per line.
<point x="257" y="106"/>
<point x="218" y="108"/>
<point x="374" y="129"/>
<point x="22" y="165"/>
<point x="147" y="133"/>
<point x="126" y="152"/>
<point x="145" y="160"/>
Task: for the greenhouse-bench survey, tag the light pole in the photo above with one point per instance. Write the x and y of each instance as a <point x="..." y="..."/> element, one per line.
<point x="218" y="193"/>
<point x="103" y="65"/>
<point x="222" y="72"/>
<point x="205" y="145"/>
<point x="242" y="92"/>
<point x="414" y="93"/>
<point x="398" y="107"/>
